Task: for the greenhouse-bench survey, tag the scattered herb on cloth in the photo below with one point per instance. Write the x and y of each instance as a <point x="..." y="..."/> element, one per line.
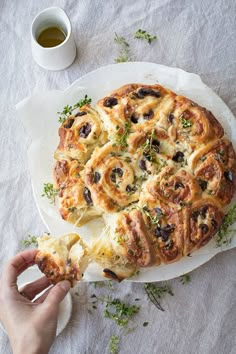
<point x="185" y="279"/>
<point x="124" y="49"/>
<point x="114" y="344"/>
<point x="156" y="293"/>
<point x="144" y="35"/>
<point x="29" y="240"/>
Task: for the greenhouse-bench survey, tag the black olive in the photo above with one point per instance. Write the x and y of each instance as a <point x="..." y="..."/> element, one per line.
<point x="142" y="165"/>
<point x="179" y="185"/>
<point x="169" y="228"/>
<point x="149" y="115"/>
<point x="204" y="228"/>
<point x="129" y="188"/>
<point x="156" y="145"/>
<point x="157" y="231"/>
<point x="202" y="184"/>
<point x="80" y="114"/>
<point x="229" y="175"/>
<point x="110" y="274"/>
<point x="87" y="196"/>
<point x="214" y="223"/>
<point x="96" y="177"/>
<point x="195" y="215"/>
<point x="85" y="130"/>
<point x="147" y="155"/>
<point x="178" y="157"/>
<point x="164" y="235"/>
<point x="203" y="211"/>
<point x="158" y="211"/>
<point x="164" y="232"/>
<point x="110" y="102"/>
<point x="170" y="118"/>
<point x="134" y="118"/>
<point x="142" y="92"/>
<point x="69" y="123"/>
<point x="116" y="171"/>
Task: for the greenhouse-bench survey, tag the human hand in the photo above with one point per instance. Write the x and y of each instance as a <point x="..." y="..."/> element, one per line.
<point x="30" y="325"/>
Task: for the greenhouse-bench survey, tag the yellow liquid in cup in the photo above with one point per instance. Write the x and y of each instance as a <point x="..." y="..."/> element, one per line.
<point x="51" y="37"/>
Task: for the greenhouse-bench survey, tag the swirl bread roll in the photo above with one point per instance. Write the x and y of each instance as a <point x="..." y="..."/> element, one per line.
<point x="215" y="170"/>
<point x="75" y="202"/>
<point x="110" y="177"/>
<point x="137" y="104"/>
<point x="79" y="134"/>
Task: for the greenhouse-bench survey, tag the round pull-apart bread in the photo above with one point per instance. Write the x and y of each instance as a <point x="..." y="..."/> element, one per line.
<point x="155" y="165"/>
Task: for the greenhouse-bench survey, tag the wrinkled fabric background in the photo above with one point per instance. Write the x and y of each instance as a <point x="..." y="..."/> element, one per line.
<point x="198" y="36"/>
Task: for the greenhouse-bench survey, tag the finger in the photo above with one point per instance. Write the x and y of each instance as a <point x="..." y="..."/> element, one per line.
<point x="17" y="265"/>
<point x="57" y="293"/>
<point x="41" y="298"/>
<point x="34" y="288"/>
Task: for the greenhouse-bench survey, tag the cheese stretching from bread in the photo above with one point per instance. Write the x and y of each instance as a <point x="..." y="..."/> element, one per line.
<point x="153" y="162"/>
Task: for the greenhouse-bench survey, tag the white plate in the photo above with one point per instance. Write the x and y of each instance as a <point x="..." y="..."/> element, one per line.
<point x="33" y="273"/>
<point x="39" y="114"/>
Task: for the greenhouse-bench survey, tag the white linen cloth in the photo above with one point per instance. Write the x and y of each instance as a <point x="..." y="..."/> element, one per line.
<point x="197" y="36"/>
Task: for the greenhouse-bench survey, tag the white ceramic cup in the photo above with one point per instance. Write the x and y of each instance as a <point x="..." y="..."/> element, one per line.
<point x="60" y="56"/>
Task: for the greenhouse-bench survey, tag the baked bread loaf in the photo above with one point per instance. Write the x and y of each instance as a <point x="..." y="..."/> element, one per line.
<point x="155" y="165"/>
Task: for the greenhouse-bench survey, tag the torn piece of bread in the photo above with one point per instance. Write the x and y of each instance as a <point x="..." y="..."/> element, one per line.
<point x="62" y="258"/>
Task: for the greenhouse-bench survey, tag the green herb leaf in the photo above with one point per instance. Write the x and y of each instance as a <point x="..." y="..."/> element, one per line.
<point x="68" y="110"/>
<point x="186" y="123"/>
<point x="82" y="102"/>
<point x="154" y="219"/>
<point x="114" y="344"/>
<point x="156" y="293"/>
<point x="124" y="52"/>
<point x="122" y="140"/>
<point x="185" y="279"/>
<point x="49" y="192"/>
<point x="223" y="237"/>
<point x="30" y="240"/>
<point x="144" y="35"/>
<point x="119" y="312"/>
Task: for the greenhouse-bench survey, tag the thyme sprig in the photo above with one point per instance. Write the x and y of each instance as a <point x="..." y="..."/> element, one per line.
<point x="121" y="313"/>
<point x="50" y="192"/>
<point x="30" y="240"/>
<point x="122" y="138"/>
<point x="124" y="49"/>
<point x="148" y="148"/>
<point x="185" y="279"/>
<point x="224" y="235"/>
<point x="186" y="123"/>
<point x="114" y="344"/>
<point x="68" y="110"/>
<point x="156" y="293"/>
<point x="144" y="35"/>
<point x="154" y="219"/>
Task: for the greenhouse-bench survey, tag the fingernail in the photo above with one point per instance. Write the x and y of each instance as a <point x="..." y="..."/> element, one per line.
<point x="65" y="285"/>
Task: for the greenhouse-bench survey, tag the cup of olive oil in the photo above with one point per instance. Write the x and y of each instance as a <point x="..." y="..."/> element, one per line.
<point x="52" y="41"/>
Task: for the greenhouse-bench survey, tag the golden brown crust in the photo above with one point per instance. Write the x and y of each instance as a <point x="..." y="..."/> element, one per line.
<point x="201" y="221"/>
<point x="157" y="161"/>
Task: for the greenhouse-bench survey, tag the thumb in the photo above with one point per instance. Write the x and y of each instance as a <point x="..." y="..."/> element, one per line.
<point x="57" y="293"/>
